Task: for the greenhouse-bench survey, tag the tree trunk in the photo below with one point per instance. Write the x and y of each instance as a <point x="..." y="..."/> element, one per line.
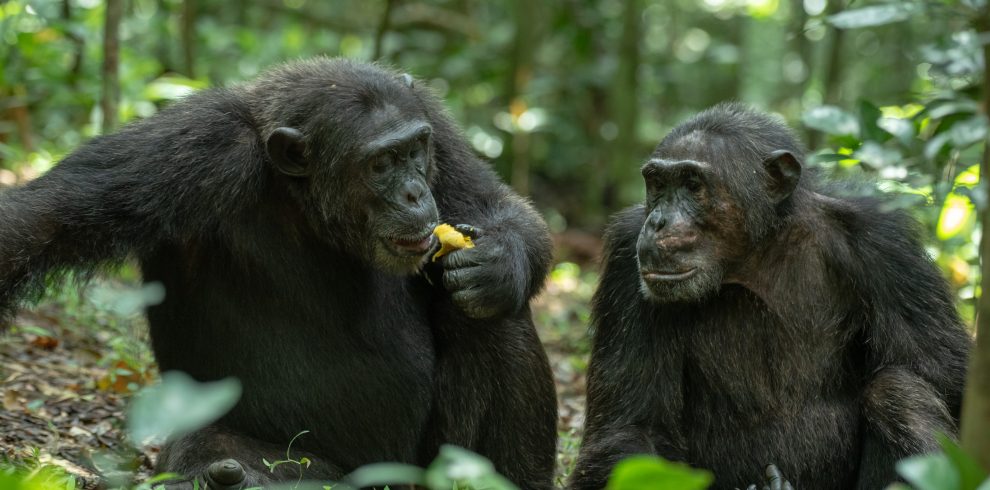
<point x="382" y="29"/>
<point x="517" y="148"/>
<point x="975" y="430"/>
<point x="189" y="37"/>
<point x="111" y="64"/>
<point x="624" y="112"/>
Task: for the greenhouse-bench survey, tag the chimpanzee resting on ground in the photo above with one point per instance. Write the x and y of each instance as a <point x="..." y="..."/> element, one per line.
<point x="289" y="220"/>
<point x="746" y="315"/>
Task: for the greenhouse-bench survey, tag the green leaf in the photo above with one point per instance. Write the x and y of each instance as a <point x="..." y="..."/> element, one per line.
<point x="828" y="157"/>
<point x="902" y="129"/>
<point x="929" y="472"/>
<point x="877" y="156"/>
<point x="831" y="120"/>
<point x="960" y="106"/>
<point x="869" y="115"/>
<point x="654" y="473"/>
<point x="172" y="87"/>
<point x="934" y="145"/>
<point x="970" y="472"/>
<point x="378" y="474"/>
<point x="874" y="15"/>
<point x="968" y="132"/>
<point x="454" y="465"/>
<point x="178" y="405"/>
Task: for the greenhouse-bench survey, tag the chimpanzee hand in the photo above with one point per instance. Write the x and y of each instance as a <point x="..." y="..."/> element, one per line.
<point x="486" y="280"/>
<point x="227" y="474"/>
<point x="774" y="480"/>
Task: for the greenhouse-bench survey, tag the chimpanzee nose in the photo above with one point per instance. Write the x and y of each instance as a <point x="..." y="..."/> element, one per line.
<point x="413" y="191"/>
<point x="677" y="240"/>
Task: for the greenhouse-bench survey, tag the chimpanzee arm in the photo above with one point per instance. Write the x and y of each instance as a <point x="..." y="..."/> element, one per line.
<point x="514" y="248"/>
<point x="163" y="178"/>
<point x="916" y="347"/>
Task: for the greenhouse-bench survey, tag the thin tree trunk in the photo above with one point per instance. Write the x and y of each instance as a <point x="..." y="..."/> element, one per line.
<point x="833" y="67"/>
<point x="382" y="29"/>
<point x="975" y="430"/>
<point x="521" y="61"/>
<point x="111" y="64"/>
<point x="189" y="37"/>
<point x="625" y="110"/>
<point x="77" y="45"/>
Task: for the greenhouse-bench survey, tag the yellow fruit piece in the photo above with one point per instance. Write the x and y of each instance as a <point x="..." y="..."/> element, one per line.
<point x="450" y="240"/>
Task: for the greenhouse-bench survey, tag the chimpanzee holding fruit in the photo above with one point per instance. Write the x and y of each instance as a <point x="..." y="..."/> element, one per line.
<point x="290" y="222"/>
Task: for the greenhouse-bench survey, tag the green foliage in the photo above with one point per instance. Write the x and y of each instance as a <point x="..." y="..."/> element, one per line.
<point x="951" y="469"/>
<point x="302" y="463"/>
<point x="655" y="473"/>
<point x="178" y="405"/>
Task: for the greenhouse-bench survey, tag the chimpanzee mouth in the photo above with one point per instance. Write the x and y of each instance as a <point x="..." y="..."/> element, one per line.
<point x="667" y="276"/>
<point x="412" y="245"/>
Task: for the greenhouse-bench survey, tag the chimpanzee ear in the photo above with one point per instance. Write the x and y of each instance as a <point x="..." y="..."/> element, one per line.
<point x="784" y="170"/>
<point x="407" y="79"/>
<point x="287" y="149"/>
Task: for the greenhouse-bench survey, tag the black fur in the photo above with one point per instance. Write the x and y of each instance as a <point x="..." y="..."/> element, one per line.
<point x="279" y="279"/>
<point x="831" y="346"/>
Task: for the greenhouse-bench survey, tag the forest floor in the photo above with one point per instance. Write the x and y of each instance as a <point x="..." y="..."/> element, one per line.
<point x="69" y="366"/>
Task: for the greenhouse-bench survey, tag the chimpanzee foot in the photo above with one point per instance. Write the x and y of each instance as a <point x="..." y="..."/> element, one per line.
<point x="226" y="474"/>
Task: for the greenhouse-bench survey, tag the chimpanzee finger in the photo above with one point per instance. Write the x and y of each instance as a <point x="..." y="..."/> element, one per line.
<point x="465" y="257"/>
<point x="472" y="231"/>
<point x="788" y="486"/>
<point x="774" y="478"/>
<point x="463" y="278"/>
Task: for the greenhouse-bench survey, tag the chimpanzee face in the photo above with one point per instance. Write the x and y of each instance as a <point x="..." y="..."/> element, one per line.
<point x="398" y="166"/>
<point x="367" y="178"/>
<point x="703" y="220"/>
<point x="681" y="253"/>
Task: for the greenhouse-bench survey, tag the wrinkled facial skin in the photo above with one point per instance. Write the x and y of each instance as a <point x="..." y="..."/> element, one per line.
<point x="397" y="166"/>
<point x="684" y="244"/>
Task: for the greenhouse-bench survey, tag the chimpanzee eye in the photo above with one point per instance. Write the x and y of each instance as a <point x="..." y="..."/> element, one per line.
<point x="692" y="183"/>
<point x="382" y="162"/>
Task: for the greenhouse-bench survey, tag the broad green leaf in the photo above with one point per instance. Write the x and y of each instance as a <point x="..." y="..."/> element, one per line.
<point x="970" y="473"/>
<point x="902" y="129"/>
<point x="379" y="474"/>
<point x="929" y="472"/>
<point x="654" y="473"/>
<point x="965" y="133"/>
<point x="178" y="405"/>
<point x="934" y="145"/>
<point x="172" y="87"/>
<point x="938" y="111"/>
<point x="878" y="156"/>
<point x="957" y="212"/>
<point x="827" y="157"/>
<point x="874" y="15"/>
<point x="831" y="120"/>
<point x="454" y="465"/>
<point x="869" y="116"/>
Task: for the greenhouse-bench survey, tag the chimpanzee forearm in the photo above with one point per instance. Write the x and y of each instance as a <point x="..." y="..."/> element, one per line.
<point x="601" y="450"/>
<point x="903" y="414"/>
<point x="51" y="225"/>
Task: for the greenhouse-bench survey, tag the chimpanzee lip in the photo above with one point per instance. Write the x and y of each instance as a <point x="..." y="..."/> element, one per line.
<point x="417" y="245"/>
<point x="668" y="276"/>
